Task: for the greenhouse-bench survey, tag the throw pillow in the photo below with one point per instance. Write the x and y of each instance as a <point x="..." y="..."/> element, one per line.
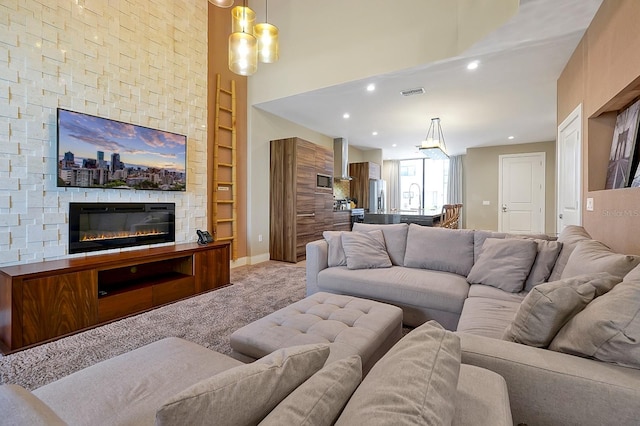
<point x="549" y="306"/>
<point x="548" y="252"/>
<point x="365" y="250"/>
<point x="569" y="237"/>
<point x="608" y="329"/>
<point x="244" y="394"/>
<point x="336" y="256"/>
<point x="479" y="238"/>
<point x="504" y="263"/>
<point x="395" y="238"/>
<point x="592" y="256"/>
<point x="319" y="400"/>
<point x="414" y="383"/>
<point x="21" y="407"/>
<point x="439" y="249"/>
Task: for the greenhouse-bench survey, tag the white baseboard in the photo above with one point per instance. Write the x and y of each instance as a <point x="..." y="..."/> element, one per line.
<point x="250" y="260"/>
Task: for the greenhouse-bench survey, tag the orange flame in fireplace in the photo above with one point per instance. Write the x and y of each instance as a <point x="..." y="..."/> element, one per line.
<point x="99" y="236"/>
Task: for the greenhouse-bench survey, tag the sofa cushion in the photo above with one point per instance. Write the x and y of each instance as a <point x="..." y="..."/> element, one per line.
<point x="439" y="249"/>
<point x="487" y="317"/>
<point x="336" y="256"/>
<point x="592" y="256"/>
<point x="504" y="263"/>
<point x="481" y="290"/>
<point x="549" y="306"/>
<point x="414" y="383"/>
<point x="479" y="238"/>
<point x="136" y="382"/>
<point x="395" y="238"/>
<point x="569" y="237"/>
<point x="546" y="257"/>
<point x="551" y="388"/>
<point x="365" y="250"/>
<point x="608" y="329"/>
<point x="418" y="287"/>
<point x="21" y="407"/>
<point x="320" y="399"/>
<point x="482" y="398"/>
<point x="244" y="394"/>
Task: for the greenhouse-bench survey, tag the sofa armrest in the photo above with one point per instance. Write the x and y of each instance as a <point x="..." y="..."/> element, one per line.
<point x="21" y="407"/>
<point x="317" y="260"/>
<point x="552" y="388"/>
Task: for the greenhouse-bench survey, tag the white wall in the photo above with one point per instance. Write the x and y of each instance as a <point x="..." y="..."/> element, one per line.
<point x="266" y="127"/>
<point x="138" y="61"/>
<point x="328" y="42"/>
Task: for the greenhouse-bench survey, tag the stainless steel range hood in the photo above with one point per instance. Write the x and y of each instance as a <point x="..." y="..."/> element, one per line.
<point x="341" y="159"/>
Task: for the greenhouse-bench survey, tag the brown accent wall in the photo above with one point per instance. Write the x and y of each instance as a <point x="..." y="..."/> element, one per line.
<point x="604" y="75"/>
<point x="219" y="26"/>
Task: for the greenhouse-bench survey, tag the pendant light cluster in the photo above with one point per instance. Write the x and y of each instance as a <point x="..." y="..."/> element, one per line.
<point x="249" y="42"/>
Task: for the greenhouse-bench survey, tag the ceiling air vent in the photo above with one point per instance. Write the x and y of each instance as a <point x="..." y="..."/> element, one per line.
<point x="411" y="92"/>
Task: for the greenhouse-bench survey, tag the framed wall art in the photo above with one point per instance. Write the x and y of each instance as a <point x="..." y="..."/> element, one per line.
<point x="623" y="147"/>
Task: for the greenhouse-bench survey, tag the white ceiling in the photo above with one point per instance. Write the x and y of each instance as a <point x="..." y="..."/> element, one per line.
<point x="512" y="93"/>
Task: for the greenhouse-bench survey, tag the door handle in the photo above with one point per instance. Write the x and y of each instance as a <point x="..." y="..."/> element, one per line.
<point x="504" y="208"/>
<point x="560" y="215"/>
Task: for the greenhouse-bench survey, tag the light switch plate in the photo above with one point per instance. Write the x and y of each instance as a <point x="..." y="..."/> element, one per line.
<point x="589" y="204"/>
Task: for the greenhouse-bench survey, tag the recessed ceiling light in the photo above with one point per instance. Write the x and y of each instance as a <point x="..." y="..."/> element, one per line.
<point x="473" y="65"/>
<point x="374" y="133"/>
<point x="346" y="115"/>
<point x="371" y="87"/>
<point x="394" y="145"/>
<point x="511" y="137"/>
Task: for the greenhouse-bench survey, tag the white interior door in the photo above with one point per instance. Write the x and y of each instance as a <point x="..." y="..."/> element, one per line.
<point x="569" y="173"/>
<point x="521" y="193"/>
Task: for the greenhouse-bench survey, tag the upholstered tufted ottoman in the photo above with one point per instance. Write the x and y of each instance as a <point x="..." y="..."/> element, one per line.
<point x="352" y="326"/>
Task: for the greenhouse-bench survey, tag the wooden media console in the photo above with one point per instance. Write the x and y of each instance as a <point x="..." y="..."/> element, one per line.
<point x="47" y="300"/>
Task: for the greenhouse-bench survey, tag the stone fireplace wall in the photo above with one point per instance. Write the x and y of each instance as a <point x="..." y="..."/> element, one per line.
<point x="137" y="61"/>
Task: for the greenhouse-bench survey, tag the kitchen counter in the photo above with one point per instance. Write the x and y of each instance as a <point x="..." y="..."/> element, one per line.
<point x="419" y="217"/>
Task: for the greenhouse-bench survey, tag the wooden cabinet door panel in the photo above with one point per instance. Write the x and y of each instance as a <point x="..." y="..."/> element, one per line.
<point x="324" y="160"/>
<point x="57" y="305"/>
<point x="305" y="160"/>
<point x="359" y="186"/>
<point x="305" y="202"/>
<point x="123" y="304"/>
<point x="212" y="269"/>
<point x="173" y="290"/>
<point x="324" y="212"/>
<point x="306" y="224"/>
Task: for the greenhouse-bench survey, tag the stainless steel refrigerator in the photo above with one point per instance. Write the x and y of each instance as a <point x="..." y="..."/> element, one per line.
<point x="377" y="195"/>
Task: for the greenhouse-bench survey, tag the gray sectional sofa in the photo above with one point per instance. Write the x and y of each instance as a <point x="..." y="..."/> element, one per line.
<point x="536" y="311"/>
<point x="176" y="382"/>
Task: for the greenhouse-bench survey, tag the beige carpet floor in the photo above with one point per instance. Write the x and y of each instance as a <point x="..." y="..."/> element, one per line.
<point x="207" y="319"/>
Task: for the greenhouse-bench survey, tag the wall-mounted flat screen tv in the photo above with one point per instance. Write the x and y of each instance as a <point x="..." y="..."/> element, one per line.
<point x="95" y="152"/>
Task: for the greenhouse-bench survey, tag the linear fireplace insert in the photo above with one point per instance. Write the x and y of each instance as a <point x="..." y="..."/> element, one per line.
<point x="103" y="226"/>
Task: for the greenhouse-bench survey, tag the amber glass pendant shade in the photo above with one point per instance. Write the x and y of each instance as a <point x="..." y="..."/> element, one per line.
<point x="243" y="53"/>
<point x="242" y="20"/>
<point x="267" y="36"/>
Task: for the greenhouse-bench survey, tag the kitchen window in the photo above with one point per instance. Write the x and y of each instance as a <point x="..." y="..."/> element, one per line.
<point x="423" y="183"/>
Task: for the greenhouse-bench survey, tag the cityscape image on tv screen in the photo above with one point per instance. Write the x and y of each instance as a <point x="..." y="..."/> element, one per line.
<point x="95" y="152"/>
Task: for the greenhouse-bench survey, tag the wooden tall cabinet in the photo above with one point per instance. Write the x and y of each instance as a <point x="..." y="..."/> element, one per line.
<point x="359" y="186"/>
<point x="299" y="210"/>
